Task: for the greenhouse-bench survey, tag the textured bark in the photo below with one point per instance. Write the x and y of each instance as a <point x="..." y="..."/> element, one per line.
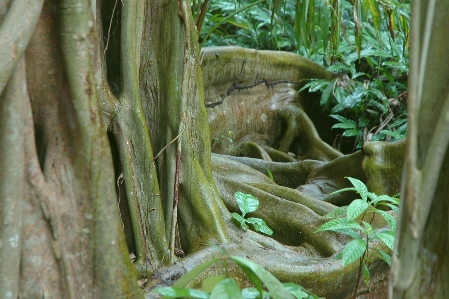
<point x="75" y="205"/>
<point x="420" y="265"/>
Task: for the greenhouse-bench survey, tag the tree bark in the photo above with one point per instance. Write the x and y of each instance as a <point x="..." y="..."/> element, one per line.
<point x="420" y="264"/>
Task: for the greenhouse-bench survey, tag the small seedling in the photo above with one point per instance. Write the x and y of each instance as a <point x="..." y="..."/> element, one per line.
<point x="247" y="204"/>
<point x="344" y="221"/>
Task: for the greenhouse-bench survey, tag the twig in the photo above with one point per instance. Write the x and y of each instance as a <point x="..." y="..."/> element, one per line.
<point x="165" y="147"/>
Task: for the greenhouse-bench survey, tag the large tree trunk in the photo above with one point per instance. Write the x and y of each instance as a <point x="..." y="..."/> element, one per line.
<point x="124" y="77"/>
<point x="420" y="264"/>
<point x="61" y="234"/>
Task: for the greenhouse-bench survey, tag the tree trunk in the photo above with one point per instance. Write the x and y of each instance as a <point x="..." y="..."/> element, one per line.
<point x="106" y="155"/>
<point x="420" y="264"/>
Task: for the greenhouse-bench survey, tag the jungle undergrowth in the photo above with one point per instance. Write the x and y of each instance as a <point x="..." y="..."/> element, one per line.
<point x="350" y="220"/>
<point x="365" y="44"/>
<point x="248" y="203"/>
<point x="265" y="284"/>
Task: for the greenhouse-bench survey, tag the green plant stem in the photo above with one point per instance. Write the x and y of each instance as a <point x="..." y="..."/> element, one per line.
<point x="359" y="275"/>
<point x="227" y="18"/>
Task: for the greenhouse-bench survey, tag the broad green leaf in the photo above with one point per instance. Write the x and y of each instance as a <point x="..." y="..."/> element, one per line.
<point x="343" y="190"/>
<point x="296" y="290"/>
<point x="210" y="282"/>
<point x="192" y="274"/>
<point x="247" y="203"/>
<point x="346" y="125"/>
<point x="366" y="275"/>
<point x="384" y="199"/>
<point x="350" y="132"/>
<point x="174" y="292"/>
<point x="337" y="212"/>
<point x="253" y="293"/>
<point x="386" y="238"/>
<point x="384" y="256"/>
<point x="260" y="225"/>
<point x="240" y="220"/>
<point x="325" y="102"/>
<point x="226" y="289"/>
<point x="274" y="286"/>
<point x="360" y="187"/>
<point x="356" y="208"/>
<point x="353" y="251"/>
<point x="340" y="224"/>
<point x="349" y="232"/>
<point x="368" y="227"/>
<point x="393" y="134"/>
<point x="389" y="218"/>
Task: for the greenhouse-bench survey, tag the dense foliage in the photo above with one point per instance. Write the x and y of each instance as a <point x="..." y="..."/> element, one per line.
<point x="364" y="42"/>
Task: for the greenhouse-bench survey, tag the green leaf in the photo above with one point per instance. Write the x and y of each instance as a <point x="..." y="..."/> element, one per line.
<point x="389" y="218"/>
<point x="348" y="232"/>
<point x="337" y="212"/>
<point x="356" y="208"/>
<point x="366" y="275"/>
<point x="360" y="187"/>
<point x="240" y="220"/>
<point x="350" y="133"/>
<point x="270" y="174"/>
<point x="386" y="238"/>
<point x="325" y="102"/>
<point x="383" y="255"/>
<point x="260" y="225"/>
<point x="253" y="293"/>
<point x="192" y="274"/>
<point x="345" y="126"/>
<point x="247" y="203"/>
<point x="340" y="224"/>
<point x="209" y="283"/>
<point x="296" y="290"/>
<point x="353" y="251"/>
<point x="226" y="289"/>
<point x="274" y="286"/>
<point x="174" y="292"/>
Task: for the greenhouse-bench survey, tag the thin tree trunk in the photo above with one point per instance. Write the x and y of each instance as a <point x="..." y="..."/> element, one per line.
<point x="420" y="264"/>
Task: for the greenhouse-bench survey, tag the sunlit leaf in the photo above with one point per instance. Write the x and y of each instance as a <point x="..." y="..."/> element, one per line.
<point x="247" y="203"/>
<point x="260" y="225"/>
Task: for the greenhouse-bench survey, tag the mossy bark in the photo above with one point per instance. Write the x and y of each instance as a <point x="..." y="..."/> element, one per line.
<point x="131" y="71"/>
